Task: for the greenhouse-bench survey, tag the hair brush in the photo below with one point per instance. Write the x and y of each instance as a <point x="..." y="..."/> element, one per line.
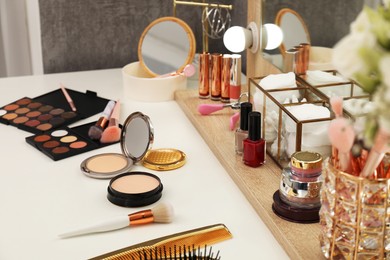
<point x="176" y="253"/>
<point x="154" y="249"/>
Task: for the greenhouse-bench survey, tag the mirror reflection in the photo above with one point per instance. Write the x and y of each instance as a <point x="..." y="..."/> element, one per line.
<point x="137" y="136"/>
<point x="294" y="29"/>
<point x="174" y="37"/>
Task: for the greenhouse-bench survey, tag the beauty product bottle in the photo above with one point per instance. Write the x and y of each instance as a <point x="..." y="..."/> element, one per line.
<point x="204" y="75"/>
<point x="254" y="145"/>
<point x="305" y="56"/>
<point x="235" y="78"/>
<point x="242" y="131"/>
<point x="225" y="78"/>
<point x="216" y="68"/>
<point x="301" y="182"/>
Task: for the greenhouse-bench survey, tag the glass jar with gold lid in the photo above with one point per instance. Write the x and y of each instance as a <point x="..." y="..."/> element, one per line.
<point x="300" y="183"/>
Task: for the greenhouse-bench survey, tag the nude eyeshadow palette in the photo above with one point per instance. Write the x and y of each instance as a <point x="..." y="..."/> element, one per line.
<point x="51" y="110"/>
<point x="65" y="142"/>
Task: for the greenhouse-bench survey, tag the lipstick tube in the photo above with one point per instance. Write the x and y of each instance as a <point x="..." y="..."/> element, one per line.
<point x="204" y="75"/>
<point x="305" y="56"/>
<point x="235" y="78"/>
<point x="216" y="68"/>
<point x="290" y="60"/>
<point x="225" y="78"/>
<point x="299" y="68"/>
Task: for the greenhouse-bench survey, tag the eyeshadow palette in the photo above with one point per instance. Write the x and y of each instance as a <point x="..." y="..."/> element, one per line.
<point x="50" y="111"/>
<point x="65" y="142"/>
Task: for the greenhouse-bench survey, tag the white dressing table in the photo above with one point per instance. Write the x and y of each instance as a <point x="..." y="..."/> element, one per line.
<point x="41" y="198"/>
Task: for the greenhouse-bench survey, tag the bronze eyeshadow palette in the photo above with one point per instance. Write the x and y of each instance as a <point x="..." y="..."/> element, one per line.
<point x="51" y="111"/>
<point x="65" y="142"/>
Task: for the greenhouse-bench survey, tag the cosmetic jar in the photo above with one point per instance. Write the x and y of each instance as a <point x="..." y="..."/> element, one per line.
<point x="134" y="189"/>
<point x="300" y="183"/>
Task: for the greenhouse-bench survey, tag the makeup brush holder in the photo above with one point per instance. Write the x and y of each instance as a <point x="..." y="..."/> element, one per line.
<point x="140" y="86"/>
<point x="354" y="216"/>
<point x="284" y="128"/>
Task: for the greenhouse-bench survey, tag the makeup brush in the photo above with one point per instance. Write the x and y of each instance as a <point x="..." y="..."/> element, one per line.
<point x="68" y="98"/>
<point x="95" y="131"/>
<point x="188" y="71"/>
<point x="337" y="105"/>
<point x="112" y="133"/>
<point x="377" y="152"/>
<point x="342" y="136"/>
<point x="161" y="213"/>
<point x="233" y="121"/>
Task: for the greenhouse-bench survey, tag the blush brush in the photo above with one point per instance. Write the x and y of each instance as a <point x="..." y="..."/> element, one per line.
<point x="95" y="131"/>
<point x="112" y="133"/>
<point x="161" y="213"/>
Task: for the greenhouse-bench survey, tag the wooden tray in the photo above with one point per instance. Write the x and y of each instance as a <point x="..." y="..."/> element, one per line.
<point x="258" y="184"/>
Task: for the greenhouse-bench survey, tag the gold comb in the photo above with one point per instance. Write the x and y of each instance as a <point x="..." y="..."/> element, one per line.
<point x="196" y="238"/>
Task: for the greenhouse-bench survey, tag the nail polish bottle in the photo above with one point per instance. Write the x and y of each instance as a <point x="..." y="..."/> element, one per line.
<point x="242" y="132"/>
<point x="254" y="145"/>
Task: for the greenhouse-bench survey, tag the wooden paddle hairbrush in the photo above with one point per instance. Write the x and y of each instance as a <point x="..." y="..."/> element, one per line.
<point x="185" y="243"/>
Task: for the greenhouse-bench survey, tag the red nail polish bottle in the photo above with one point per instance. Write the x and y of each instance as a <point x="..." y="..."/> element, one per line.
<point x="254" y="145"/>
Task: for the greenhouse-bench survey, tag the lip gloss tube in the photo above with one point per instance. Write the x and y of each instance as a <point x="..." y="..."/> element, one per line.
<point x="225" y="78"/>
<point x="216" y="67"/>
<point x="204" y="75"/>
<point x="235" y="78"/>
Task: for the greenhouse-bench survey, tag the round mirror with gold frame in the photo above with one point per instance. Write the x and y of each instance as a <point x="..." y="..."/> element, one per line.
<point x="166" y="45"/>
<point x="294" y="29"/>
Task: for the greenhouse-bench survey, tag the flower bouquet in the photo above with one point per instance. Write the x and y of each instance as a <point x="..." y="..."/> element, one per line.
<point x="355" y="211"/>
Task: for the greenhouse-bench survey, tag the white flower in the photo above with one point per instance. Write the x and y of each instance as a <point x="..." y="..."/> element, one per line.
<point x="384" y="68"/>
<point x="386" y="3"/>
<point x="361" y="24"/>
<point x="345" y="54"/>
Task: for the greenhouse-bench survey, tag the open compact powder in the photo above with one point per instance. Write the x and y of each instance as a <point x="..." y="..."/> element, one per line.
<point x="134" y="189"/>
<point x="106" y="165"/>
<point x="136" y="139"/>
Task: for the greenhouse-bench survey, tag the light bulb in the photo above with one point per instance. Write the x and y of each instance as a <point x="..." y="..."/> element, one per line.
<point x="273" y="35"/>
<point x="237" y="39"/>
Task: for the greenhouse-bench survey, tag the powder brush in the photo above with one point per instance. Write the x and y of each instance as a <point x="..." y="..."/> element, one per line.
<point x="95" y="131"/>
<point x="112" y="133"/>
<point x="161" y="213"/>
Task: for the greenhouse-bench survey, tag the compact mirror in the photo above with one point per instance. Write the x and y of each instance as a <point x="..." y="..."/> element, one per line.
<point x="136" y="139"/>
<point x="294" y="29"/>
<point x="137" y="136"/>
<point x="166" y="45"/>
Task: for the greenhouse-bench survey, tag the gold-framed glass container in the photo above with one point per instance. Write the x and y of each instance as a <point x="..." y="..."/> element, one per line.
<point x="330" y="83"/>
<point x="354" y="216"/>
<point x="283" y="127"/>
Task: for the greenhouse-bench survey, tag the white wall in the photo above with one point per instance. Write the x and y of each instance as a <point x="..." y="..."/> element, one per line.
<point x="20" y="49"/>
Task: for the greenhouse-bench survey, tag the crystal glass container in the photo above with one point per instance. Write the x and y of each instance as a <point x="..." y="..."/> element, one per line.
<point x="354" y="216"/>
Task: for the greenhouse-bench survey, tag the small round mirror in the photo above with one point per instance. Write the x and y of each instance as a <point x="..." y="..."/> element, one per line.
<point x="294" y="29"/>
<point x="165" y="46"/>
<point x="137" y="136"/>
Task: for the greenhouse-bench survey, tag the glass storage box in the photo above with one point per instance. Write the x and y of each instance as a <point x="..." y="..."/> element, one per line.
<point x="293" y="119"/>
<point x="355" y="99"/>
<point x="354" y="216"/>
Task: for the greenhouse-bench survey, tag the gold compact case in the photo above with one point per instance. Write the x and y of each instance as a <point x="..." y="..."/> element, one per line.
<point x="164" y="159"/>
<point x="137" y="137"/>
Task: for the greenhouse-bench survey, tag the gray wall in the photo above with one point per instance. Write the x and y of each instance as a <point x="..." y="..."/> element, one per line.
<point x="98" y="34"/>
<point x="327" y="20"/>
